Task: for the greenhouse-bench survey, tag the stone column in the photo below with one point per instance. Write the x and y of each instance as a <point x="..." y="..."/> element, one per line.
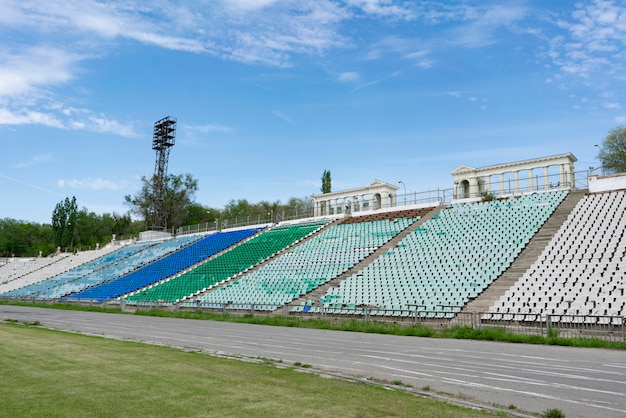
<point x="474" y="189"/>
<point x="570" y="176"/>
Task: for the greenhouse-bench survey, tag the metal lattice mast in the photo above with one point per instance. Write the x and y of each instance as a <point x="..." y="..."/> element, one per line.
<point x="162" y="140"/>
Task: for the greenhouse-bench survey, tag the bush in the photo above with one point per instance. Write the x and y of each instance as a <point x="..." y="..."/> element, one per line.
<point x="553" y="413"/>
<point x="487" y="197"/>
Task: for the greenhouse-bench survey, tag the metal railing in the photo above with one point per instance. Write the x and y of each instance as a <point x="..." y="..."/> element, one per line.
<point x="523" y="185"/>
<point x="607" y="328"/>
<point x="440" y="196"/>
<point x="243" y="221"/>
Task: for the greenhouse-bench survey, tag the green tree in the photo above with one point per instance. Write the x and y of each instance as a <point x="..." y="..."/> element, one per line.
<point x="124" y="226"/>
<point x="326" y="180"/>
<point x="268" y="209"/>
<point x="24" y="239"/>
<point x="64" y="225"/>
<point x="612" y="153"/>
<point x="243" y="211"/>
<point x="238" y="209"/>
<point x="197" y="214"/>
<point x="12" y="238"/>
<point x="299" y="206"/>
<point x="178" y="194"/>
<point x="87" y="228"/>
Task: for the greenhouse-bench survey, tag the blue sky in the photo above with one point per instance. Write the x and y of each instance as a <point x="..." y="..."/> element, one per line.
<point x="270" y="93"/>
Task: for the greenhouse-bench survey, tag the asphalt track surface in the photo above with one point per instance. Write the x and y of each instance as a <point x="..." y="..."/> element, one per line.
<point x="579" y="382"/>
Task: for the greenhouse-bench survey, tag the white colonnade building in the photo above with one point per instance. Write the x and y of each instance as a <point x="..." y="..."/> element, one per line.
<point x="374" y="196"/>
<point x="556" y="171"/>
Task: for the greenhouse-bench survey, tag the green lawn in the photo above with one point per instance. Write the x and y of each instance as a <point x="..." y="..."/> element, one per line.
<point x="50" y="373"/>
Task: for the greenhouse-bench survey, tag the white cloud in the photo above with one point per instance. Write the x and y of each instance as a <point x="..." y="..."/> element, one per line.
<point x="483" y="23"/>
<point x="385" y="8"/>
<point x="469" y="27"/>
<point x="105" y="20"/>
<point x="593" y="38"/>
<point x="92" y="184"/>
<point x="396" y="45"/>
<point x="28" y="69"/>
<point x="37" y="159"/>
<point x="195" y="134"/>
<point x="611" y="105"/>
<point x="205" y="129"/>
<point x="259" y="31"/>
<point x="305" y="27"/>
<point x="417" y="54"/>
<point x="420" y="58"/>
<point x="28" y="117"/>
<point x="248" y="5"/>
<point x="263" y="32"/>
<point x="102" y="124"/>
<point x="424" y="64"/>
<point x="167" y="42"/>
<point x="349" y="76"/>
<point x="281" y="115"/>
<point x="52" y="116"/>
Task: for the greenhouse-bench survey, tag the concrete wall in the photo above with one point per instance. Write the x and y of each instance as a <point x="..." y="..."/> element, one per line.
<point x="599" y="184"/>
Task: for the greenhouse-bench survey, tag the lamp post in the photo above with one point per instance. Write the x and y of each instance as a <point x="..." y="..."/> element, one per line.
<point x="404" y="186"/>
<point x="601" y="167"/>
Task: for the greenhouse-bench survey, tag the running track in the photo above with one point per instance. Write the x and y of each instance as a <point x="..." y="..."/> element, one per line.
<point x="579" y="382"/>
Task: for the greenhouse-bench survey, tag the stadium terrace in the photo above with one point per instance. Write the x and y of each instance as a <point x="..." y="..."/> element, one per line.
<point x="528" y="245"/>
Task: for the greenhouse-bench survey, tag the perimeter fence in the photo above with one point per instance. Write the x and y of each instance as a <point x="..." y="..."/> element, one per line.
<point x="608" y="328"/>
<point x="491" y="189"/>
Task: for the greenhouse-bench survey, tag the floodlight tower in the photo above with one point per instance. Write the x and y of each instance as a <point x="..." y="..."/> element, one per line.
<point x="162" y="140"/>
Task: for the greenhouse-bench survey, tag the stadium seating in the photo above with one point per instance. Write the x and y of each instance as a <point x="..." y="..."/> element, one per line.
<point x="165" y="267"/>
<point x="436" y="269"/>
<point x="447" y="261"/>
<point x="581" y="270"/>
<point x="62" y="263"/>
<point x="17" y="269"/>
<point x="38" y="290"/>
<point x="303" y="268"/>
<point x="226" y="265"/>
<point x="120" y="268"/>
<point x="11" y="272"/>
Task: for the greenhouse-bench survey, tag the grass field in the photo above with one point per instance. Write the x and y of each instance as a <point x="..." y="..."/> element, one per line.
<point x="45" y="373"/>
